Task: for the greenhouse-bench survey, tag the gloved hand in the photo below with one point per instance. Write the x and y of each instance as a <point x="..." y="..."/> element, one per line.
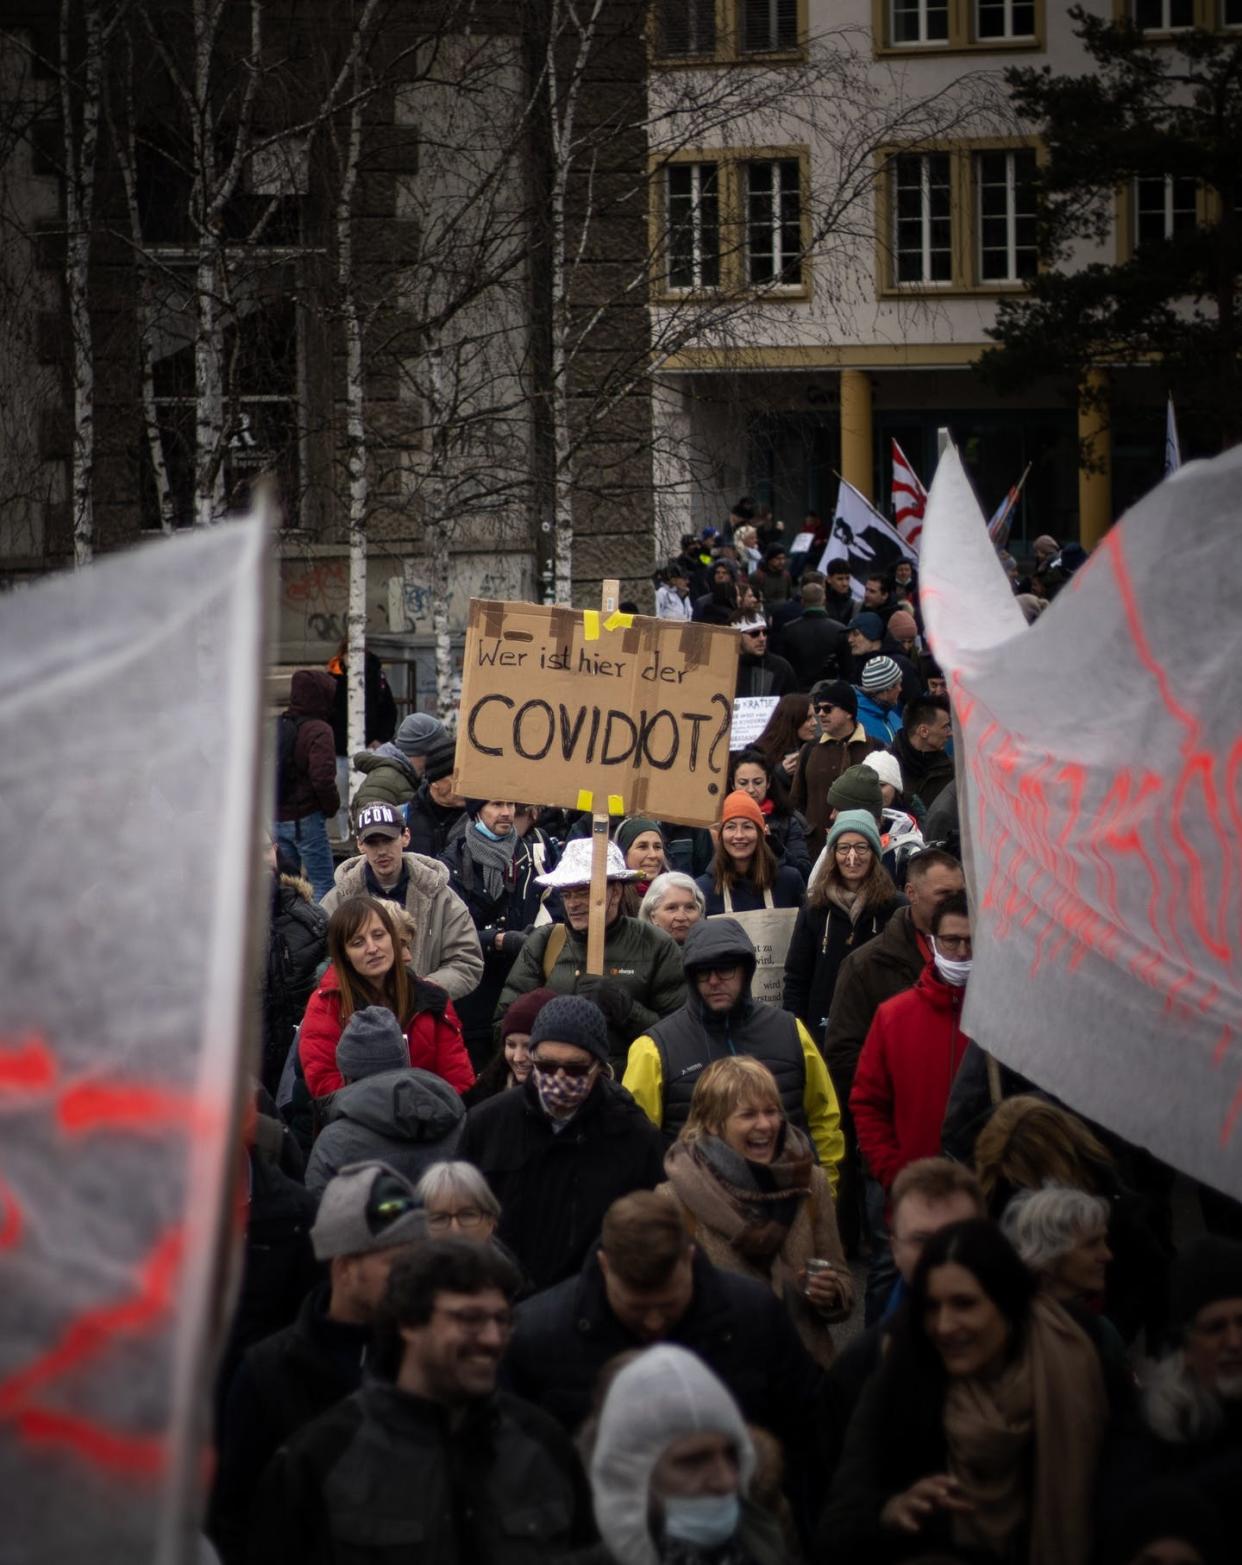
<point x="613" y="999"/>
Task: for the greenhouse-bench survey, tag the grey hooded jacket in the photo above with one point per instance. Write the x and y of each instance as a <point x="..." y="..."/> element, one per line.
<point x="407" y="1118"/>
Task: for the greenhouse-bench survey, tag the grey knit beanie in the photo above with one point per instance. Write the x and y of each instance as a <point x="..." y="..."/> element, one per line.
<point x="371" y="1042"/>
<point x="418" y="732"/>
<point x="573" y="1019"/>
<point x="879" y="674"/>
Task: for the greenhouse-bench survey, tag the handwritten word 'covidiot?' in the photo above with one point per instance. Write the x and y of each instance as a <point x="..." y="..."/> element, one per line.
<point x="594" y="734"/>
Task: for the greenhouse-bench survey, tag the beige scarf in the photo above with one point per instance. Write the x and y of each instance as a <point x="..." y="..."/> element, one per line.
<point x="1052" y="1397"/>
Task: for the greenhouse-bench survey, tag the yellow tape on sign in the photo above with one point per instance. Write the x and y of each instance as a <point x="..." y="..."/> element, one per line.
<point x="590" y="625"/>
<point x="618" y="621"/>
<point x="616" y="805"/>
<point x="586" y="799"/>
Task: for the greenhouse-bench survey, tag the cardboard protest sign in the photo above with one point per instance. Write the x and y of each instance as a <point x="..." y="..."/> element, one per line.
<point x="750" y="718"/>
<point x="1100" y="793"/>
<point x="130" y="744"/>
<point x="617" y="715"/>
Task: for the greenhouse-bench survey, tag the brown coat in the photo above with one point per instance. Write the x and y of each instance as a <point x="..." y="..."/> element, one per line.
<point x="820" y="763"/>
<point x="813" y="1233"/>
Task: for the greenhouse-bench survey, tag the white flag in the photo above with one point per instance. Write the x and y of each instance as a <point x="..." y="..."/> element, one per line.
<point x="868" y="540"/>
<point x="1098" y="788"/>
<point x="129" y="768"/>
<point x="1172" y="446"/>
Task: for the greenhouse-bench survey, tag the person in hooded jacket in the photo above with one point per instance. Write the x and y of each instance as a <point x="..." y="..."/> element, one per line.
<point x="721" y="1018"/>
<point x="560" y="1149"/>
<point x="387" y="1110"/>
<point x="306" y="791"/>
<point x="492" y="870"/>
<point x="435" y="809"/>
<point x="671" y="1470"/>
<point x="388" y="774"/>
<point x="297" y="943"/>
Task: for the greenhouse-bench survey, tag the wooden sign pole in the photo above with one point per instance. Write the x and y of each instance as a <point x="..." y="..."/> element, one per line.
<point x="599" y="834"/>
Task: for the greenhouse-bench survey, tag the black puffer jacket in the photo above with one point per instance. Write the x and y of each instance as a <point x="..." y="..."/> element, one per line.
<point x="555" y="1186"/>
<point x="823" y="937"/>
<point x="430" y="824"/>
<point x="386" y="1476"/>
<point x="297" y="943"/>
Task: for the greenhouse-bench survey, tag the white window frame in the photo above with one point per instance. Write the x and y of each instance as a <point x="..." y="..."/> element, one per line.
<point x="1011" y="156"/>
<point x="1169" y="209"/>
<point x="926" y="219"/>
<point x="922" y="41"/>
<point x="1008" y="34"/>
<point x="696" y="208"/>
<point x="775" y="223"/>
<point x="705" y="10"/>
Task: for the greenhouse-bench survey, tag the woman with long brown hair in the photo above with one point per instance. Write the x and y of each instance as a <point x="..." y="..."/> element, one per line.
<point x="791" y="725"/>
<point x="745" y="876"/>
<point x="850" y="900"/>
<point x="365" y="968"/>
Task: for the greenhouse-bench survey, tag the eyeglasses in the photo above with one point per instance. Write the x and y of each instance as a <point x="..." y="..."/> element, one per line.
<point x="754" y="632"/>
<point x="954" y="942"/>
<point x="477" y="1321"/>
<point x="550" y="1068"/>
<point x="854" y="851"/>
<point x="468" y="1217"/>
<point x="824" y="706"/>
<point x="717" y="972"/>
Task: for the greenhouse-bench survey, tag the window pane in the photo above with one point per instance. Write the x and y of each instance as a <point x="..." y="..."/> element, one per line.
<point x="1232" y="13"/>
<point x="769" y="24"/>
<point x="1004" y="19"/>
<point x="693" y="226"/>
<point x="919" y="21"/>
<point x="687" y="27"/>
<point x="923" y="229"/>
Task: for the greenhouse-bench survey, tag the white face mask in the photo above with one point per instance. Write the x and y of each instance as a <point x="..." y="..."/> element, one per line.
<point x="955" y="973"/>
<point x="706" y="1520"/>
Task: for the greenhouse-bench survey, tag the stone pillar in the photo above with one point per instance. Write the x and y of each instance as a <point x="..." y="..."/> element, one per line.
<point x="856" y="439"/>
<point x="1095" y="486"/>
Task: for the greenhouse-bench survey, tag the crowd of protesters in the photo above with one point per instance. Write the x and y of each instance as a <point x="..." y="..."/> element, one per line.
<point x="646" y="1267"/>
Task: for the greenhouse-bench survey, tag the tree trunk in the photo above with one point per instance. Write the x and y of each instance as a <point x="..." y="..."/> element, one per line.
<point x="356" y="443"/>
<point x="80" y="149"/>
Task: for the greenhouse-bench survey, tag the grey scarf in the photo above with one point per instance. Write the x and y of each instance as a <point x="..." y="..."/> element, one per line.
<point x="493" y="860"/>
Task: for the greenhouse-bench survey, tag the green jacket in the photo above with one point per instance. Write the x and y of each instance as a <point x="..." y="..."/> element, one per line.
<point x="390" y="779"/>
<point x="639" y="959"/>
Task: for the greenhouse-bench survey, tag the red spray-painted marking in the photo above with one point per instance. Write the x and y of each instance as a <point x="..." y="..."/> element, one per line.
<point x="1231" y="1118"/>
<point x="11" y="1225"/>
<point x="91" y="1332"/>
<point x="138" y="1456"/>
<point x="27" y="1066"/>
<point x="125" y="1107"/>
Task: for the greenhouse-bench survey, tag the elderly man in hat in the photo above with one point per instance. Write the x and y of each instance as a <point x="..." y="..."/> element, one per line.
<point x="368" y="1216"/>
<point x="642" y="979"/>
<point x="842" y="744"/>
<point x="561" y="1148"/>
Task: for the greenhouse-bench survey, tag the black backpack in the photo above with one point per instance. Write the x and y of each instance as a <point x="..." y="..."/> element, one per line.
<point x="286" y="737"/>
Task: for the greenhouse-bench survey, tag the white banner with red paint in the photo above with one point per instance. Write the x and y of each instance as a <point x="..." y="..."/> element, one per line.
<point x="1100" y="787"/>
<point x="129" y="770"/>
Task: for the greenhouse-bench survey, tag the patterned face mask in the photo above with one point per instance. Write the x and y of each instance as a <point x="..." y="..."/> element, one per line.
<point x="563" y="1095"/>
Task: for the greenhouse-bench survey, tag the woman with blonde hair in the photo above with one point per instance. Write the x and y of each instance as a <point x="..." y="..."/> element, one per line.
<point x="754" y="1199"/>
<point x="1028" y="1143"/>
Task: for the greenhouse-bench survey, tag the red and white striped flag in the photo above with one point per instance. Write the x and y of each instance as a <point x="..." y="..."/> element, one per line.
<point x="909" y="498"/>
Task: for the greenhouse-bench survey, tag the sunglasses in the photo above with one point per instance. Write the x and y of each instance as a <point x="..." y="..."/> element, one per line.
<point x="550" y="1068"/>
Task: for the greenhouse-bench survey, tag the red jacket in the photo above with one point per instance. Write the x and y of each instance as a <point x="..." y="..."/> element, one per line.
<point x="908" y="1062"/>
<point x="434" y="1035"/>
